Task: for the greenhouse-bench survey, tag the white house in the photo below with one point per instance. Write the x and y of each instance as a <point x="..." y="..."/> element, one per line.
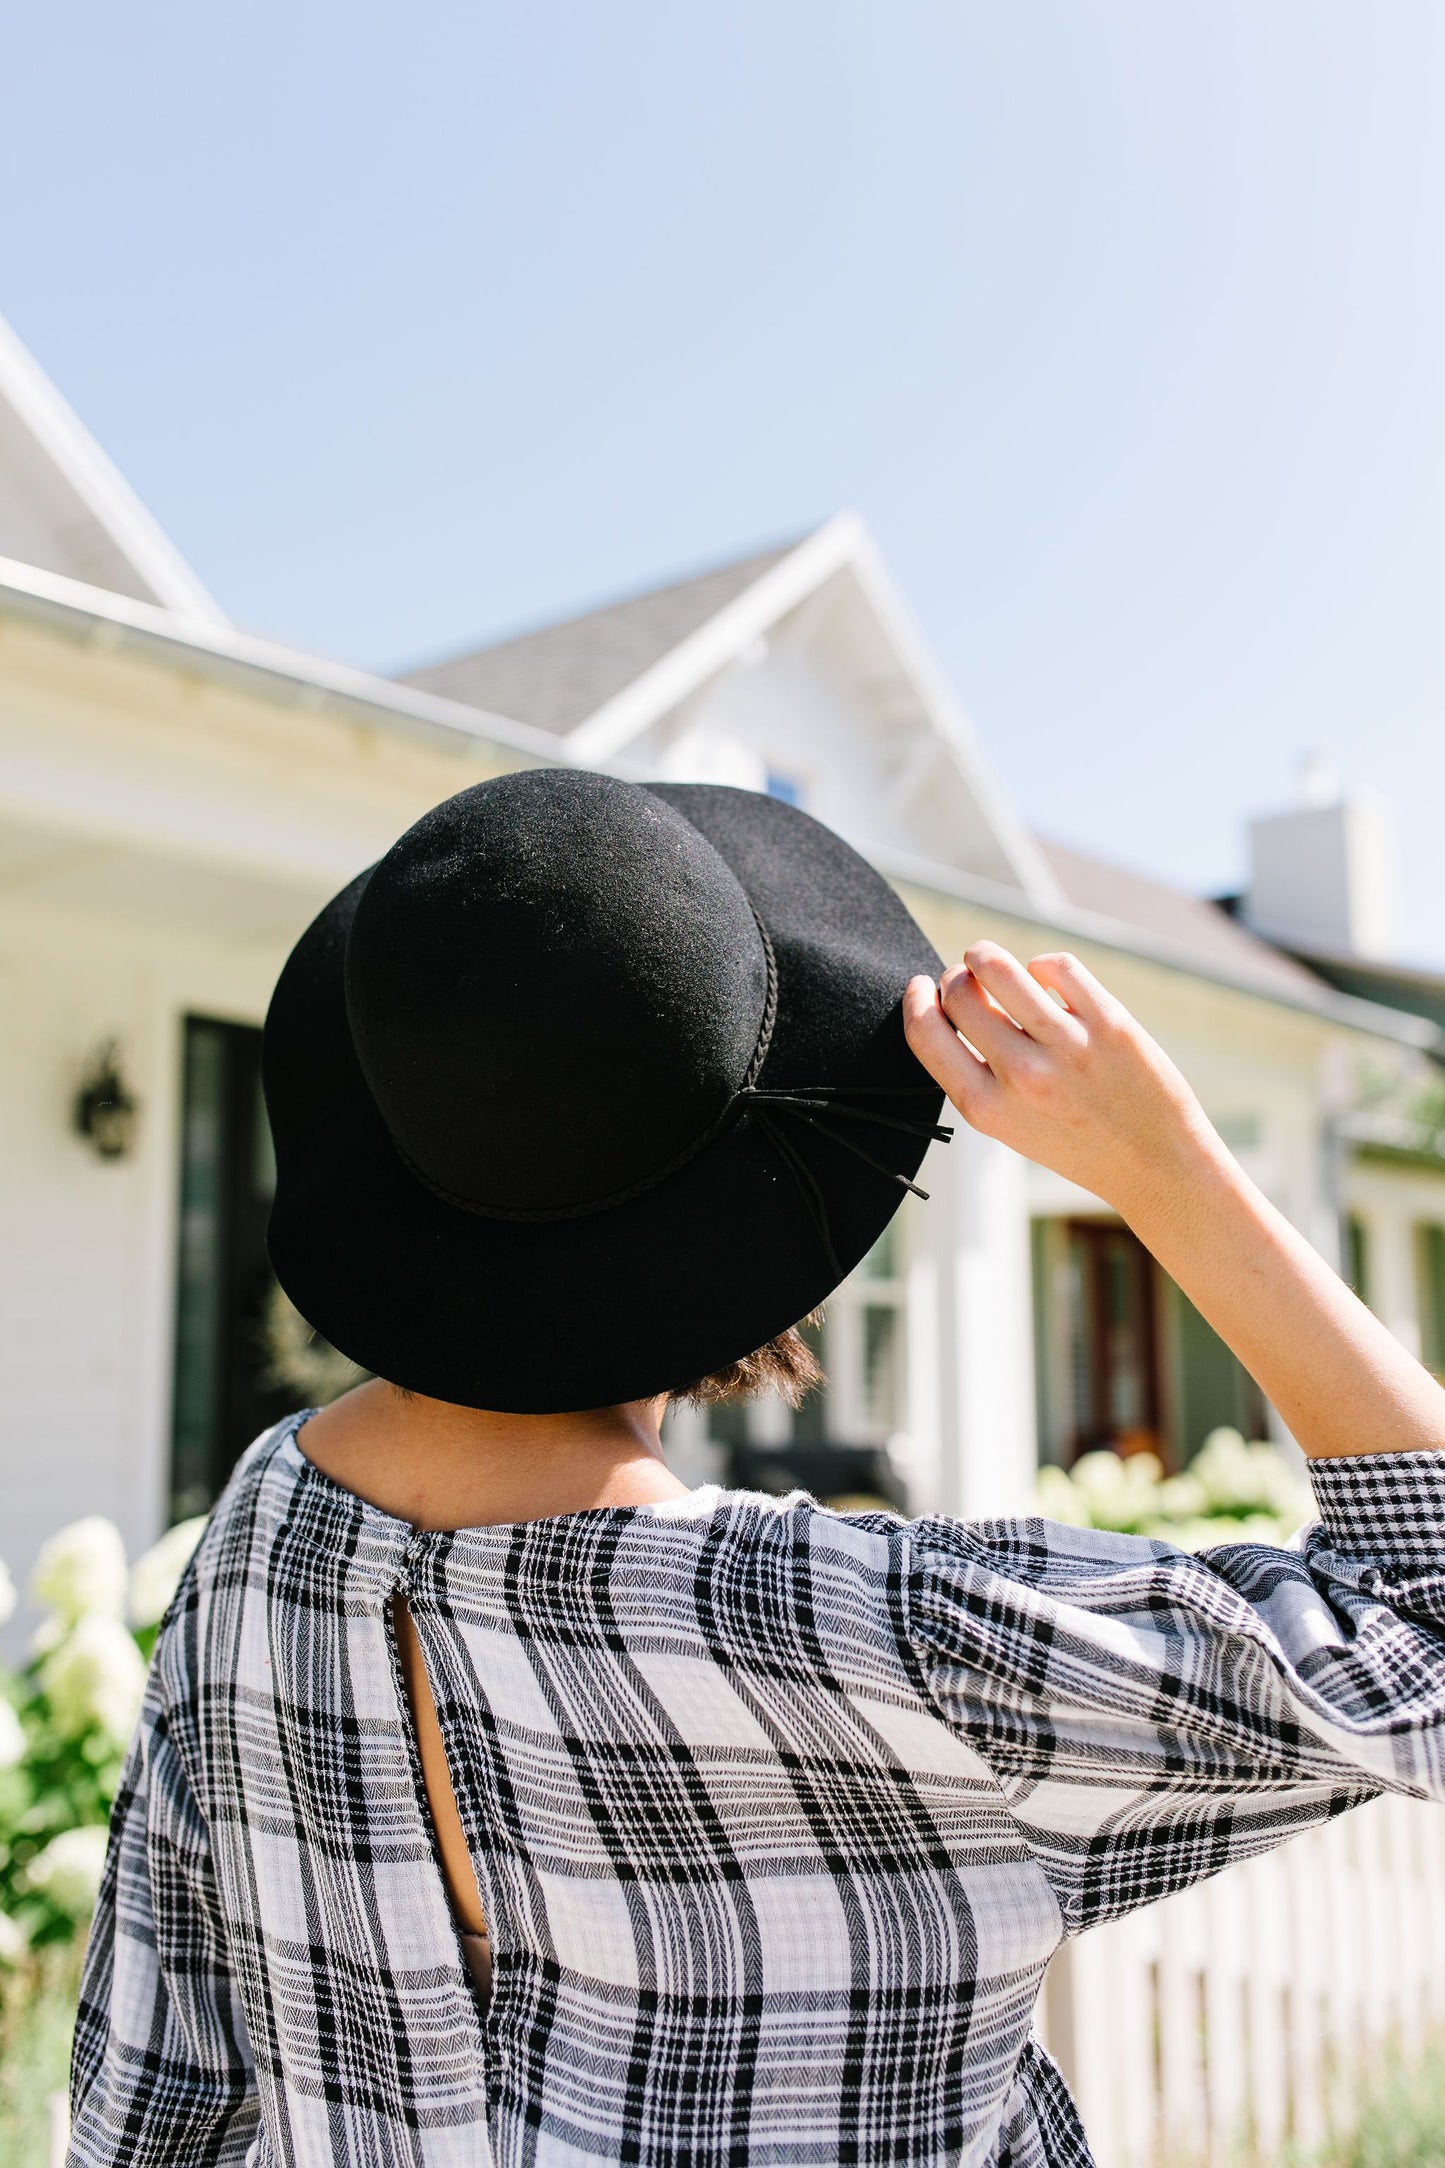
<point x="177" y="799"/>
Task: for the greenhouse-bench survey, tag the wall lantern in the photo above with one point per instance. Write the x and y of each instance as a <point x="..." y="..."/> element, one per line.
<point x="106" y="1113"/>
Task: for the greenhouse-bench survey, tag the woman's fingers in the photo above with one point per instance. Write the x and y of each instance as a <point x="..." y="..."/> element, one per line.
<point x="1076" y="987"/>
<point x="1017" y="993"/>
<point x="966" y="1078"/>
<point x="967" y="1004"/>
<point x="1010" y="1055"/>
<point x="1079" y="1088"/>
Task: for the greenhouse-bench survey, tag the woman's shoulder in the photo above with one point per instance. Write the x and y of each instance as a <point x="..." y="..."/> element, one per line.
<point x="263" y="1484"/>
<point x="268" y="1519"/>
<point x="786" y="1518"/>
<point x="757" y="1552"/>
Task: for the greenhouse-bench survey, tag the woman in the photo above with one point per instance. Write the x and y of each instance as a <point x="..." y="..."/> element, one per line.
<point x="773" y="1815"/>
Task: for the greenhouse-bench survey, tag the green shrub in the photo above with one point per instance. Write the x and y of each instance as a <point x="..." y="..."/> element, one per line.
<point x="65" y="1720"/>
<point x="1402" y="2121"/>
<point x="37" y="2019"/>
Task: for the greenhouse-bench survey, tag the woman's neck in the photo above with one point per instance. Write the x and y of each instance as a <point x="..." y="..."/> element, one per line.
<point x="442" y="1466"/>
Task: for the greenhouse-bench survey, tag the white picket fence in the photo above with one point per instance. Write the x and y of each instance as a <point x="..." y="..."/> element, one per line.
<point x="1247" y="2014"/>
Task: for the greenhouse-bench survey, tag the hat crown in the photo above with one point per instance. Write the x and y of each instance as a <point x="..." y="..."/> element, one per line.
<point x="555" y="986"/>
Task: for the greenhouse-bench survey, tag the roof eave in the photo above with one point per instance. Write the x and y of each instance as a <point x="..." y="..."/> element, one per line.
<point x="1345" y="1009"/>
<point x="100" y="618"/>
<point x="600" y="736"/>
<point x="117" y="622"/>
<point x="92" y="480"/>
<point x="841" y="543"/>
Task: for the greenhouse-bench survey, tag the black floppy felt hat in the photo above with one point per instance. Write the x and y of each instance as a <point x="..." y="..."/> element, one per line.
<point x="588" y="1089"/>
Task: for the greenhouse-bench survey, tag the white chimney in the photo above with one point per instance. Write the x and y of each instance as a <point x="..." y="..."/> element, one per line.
<point x="1325" y="877"/>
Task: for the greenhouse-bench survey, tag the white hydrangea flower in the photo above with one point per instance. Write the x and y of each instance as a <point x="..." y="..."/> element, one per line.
<point x="155" y="1576"/>
<point x="96" y="1676"/>
<point x="1182" y="1497"/>
<point x="12" y="1940"/>
<point x="1251" y="1480"/>
<point x="12" y="1735"/>
<point x="49" y="1634"/>
<point x="68" y="1871"/>
<point x="7" y="1593"/>
<point x="1228" y="1470"/>
<point x="1115" y="1491"/>
<point x="81" y="1569"/>
<point x="1060" y="1500"/>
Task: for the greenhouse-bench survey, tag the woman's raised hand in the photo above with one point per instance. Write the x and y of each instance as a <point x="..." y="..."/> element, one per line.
<point x="1047" y="1061"/>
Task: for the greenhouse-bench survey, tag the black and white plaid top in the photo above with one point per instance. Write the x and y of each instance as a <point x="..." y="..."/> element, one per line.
<point x="777" y="1815"/>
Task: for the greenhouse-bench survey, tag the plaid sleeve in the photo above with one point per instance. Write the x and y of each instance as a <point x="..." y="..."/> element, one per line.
<point x="161" y="2070"/>
<point x="1152" y="1716"/>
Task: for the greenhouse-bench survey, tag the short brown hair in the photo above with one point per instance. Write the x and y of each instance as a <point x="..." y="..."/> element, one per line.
<point x="787" y="1365"/>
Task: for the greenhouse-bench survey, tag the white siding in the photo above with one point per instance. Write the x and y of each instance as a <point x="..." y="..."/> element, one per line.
<point x="87" y="1247"/>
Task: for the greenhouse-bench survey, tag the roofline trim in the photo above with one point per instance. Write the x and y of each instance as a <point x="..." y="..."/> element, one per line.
<point x="1036" y="876"/>
<point x="53" y="599"/>
<point x="1348" y="1010"/>
<point x="1417" y="975"/>
<point x="717" y="641"/>
<point x="97" y="482"/>
<point x="843" y="543"/>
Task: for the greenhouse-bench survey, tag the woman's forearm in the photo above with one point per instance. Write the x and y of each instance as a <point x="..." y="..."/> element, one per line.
<point x="1341" y="1382"/>
<point x="1047" y="1061"/>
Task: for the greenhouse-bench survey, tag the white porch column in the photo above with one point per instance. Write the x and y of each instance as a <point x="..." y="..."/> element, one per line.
<point x="970" y="1287"/>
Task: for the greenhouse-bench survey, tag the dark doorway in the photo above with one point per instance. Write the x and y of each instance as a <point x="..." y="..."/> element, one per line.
<point x="223" y="1394"/>
<point x="1112" y="1357"/>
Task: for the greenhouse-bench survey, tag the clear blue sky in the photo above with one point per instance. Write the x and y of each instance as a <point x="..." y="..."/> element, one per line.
<point x="1124" y="325"/>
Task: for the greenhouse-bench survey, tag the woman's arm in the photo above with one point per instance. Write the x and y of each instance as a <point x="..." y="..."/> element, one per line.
<point x="162" y="2070"/>
<point x="1075" y="1083"/>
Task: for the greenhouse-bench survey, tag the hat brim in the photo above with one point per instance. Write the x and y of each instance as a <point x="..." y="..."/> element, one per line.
<point x="544" y="1317"/>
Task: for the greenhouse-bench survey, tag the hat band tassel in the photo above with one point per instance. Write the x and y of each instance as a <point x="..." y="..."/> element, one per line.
<point x="821" y="1104"/>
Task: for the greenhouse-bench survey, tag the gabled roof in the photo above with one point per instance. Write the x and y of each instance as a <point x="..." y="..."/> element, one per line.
<point x="556" y="675"/>
<point x="1190" y="925"/>
<point x="64" y="508"/>
<point x="1120" y="911"/>
<point x="603" y="681"/>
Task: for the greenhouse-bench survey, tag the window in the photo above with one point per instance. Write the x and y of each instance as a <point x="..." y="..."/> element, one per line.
<point x="224" y="1283"/>
<point x="882" y="1366"/>
<point x="1112" y="1372"/>
<point x="835" y="1444"/>
<point x="866" y="1320"/>
<point x="1430" y="1269"/>
<point x="882" y="1261"/>
<point x="1121" y="1357"/>
<point x="1207" y="1386"/>
<point x="1356" y="1259"/>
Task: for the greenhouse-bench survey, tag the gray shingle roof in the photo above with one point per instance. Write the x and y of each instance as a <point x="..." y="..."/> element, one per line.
<point x="557" y="676"/>
<point x="554" y="677"/>
<point x="1189" y="923"/>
